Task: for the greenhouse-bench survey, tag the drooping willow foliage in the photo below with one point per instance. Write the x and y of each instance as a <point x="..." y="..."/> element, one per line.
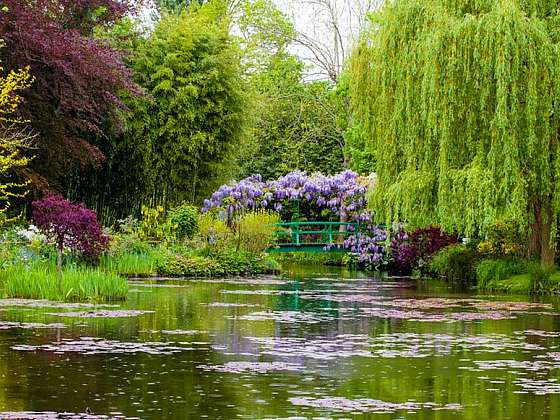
<point x="459" y="104"/>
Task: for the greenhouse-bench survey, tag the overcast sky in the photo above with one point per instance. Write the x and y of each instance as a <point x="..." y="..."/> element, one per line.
<point x="316" y="20"/>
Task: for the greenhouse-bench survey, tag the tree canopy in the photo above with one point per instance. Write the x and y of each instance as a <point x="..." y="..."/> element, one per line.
<point x="73" y="105"/>
<point x="193" y="115"/>
<point x="296" y="123"/>
<point x="459" y="100"/>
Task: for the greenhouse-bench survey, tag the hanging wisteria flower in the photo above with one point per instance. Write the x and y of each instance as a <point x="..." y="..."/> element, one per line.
<point x="343" y="195"/>
<point x="368" y="248"/>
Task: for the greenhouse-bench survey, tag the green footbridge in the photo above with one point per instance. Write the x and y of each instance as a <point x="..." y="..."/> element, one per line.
<point x="312" y="236"/>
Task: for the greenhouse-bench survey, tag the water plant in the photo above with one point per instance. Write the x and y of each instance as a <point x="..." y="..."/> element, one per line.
<point x="81" y="284"/>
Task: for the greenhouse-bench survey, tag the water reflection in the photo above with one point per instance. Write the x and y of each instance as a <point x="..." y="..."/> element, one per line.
<point x="314" y="343"/>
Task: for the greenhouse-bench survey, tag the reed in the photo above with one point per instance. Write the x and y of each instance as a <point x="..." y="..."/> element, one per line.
<point x="79" y="284"/>
<point x="128" y="264"/>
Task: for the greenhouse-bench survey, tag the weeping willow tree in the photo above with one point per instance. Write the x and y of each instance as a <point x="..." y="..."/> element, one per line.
<point x="458" y="100"/>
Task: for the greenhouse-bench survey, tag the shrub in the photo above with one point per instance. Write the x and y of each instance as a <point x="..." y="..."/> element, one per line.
<point x="128" y="244"/>
<point x="190" y="266"/>
<point x="455" y="262"/>
<point x="413" y="251"/>
<point x="128" y="226"/>
<point x="540" y="279"/>
<point x="184" y="221"/>
<point x="213" y="233"/>
<point x="225" y="263"/>
<point x="489" y="271"/>
<point x="503" y="240"/>
<point x="71" y="226"/>
<point x="255" y="231"/>
<point x="154" y="225"/>
<point x="367" y="249"/>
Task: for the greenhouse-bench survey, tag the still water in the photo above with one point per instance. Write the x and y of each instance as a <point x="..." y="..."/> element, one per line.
<point x="312" y="343"/>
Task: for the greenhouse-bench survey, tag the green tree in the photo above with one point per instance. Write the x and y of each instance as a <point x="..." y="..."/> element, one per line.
<point x="175" y="5"/>
<point x="13" y="135"/>
<point x="459" y="100"/>
<point x="295" y="125"/>
<point x="193" y="117"/>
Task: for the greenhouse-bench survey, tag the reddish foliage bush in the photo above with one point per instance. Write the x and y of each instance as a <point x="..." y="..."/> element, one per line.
<point x="71" y="226"/>
<point x="410" y="250"/>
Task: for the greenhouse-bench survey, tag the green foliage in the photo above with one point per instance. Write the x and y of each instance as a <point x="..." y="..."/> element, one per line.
<point x="154" y="224"/>
<point x="129" y="255"/>
<point x="184" y="221"/>
<point x="80" y="284"/>
<point x="228" y="262"/>
<point x="255" y="231"/>
<point x="193" y="117"/>
<point x="360" y="158"/>
<point x="175" y="5"/>
<point x="127" y="244"/>
<point x="491" y="272"/>
<point x="541" y="281"/>
<point x="20" y="245"/>
<point x="190" y="266"/>
<point x="213" y="233"/>
<point x="456" y="263"/>
<point x="458" y="100"/>
<point x="295" y="123"/>
<point x="265" y="32"/>
<point x="132" y="264"/>
<point x="503" y="240"/>
<point x="180" y="139"/>
<point x="311" y="258"/>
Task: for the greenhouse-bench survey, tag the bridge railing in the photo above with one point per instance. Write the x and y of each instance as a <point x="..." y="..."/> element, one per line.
<point x="311" y="233"/>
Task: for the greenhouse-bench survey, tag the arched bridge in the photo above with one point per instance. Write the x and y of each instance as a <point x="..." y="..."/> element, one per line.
<point x="313" y="236"/>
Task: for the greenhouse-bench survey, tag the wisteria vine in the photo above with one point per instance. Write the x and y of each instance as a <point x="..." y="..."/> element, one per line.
<point x="341" y="195"/>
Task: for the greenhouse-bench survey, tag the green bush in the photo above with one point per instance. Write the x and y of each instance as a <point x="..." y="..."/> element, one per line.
<point x="456" y="263"/>
<point x="540" y="279"/>
<point x="154" y="225"/>
<point x="128" y="244"/>
<point x="190" y="266"/>
<point x="255" y="231"/>
<point x="225" y="263"/>
<point x="213" y="233"/>
<point x="184" y="221"/>
<point x="78" y="284"/>
<point x="491" y="271"/>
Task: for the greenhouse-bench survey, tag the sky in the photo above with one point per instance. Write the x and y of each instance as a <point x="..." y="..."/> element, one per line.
<point x="316" y="20"/>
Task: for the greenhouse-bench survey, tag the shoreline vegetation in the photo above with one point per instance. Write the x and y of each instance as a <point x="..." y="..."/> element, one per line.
<point x="91" y="263"/>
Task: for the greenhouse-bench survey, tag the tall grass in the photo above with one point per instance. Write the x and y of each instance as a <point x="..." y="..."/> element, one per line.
<point x="128" y="264"/>
<point x="79" y="284"/>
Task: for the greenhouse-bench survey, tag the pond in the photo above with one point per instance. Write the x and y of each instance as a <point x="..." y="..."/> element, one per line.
<point x="314" y="343"/>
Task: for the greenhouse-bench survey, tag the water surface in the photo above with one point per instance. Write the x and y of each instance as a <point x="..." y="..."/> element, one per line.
<point x="313" y="343"/>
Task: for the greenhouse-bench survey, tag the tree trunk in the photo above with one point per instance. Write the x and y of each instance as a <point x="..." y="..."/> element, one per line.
<point x="59" y="267"/>
<point x="540" y="241"/>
